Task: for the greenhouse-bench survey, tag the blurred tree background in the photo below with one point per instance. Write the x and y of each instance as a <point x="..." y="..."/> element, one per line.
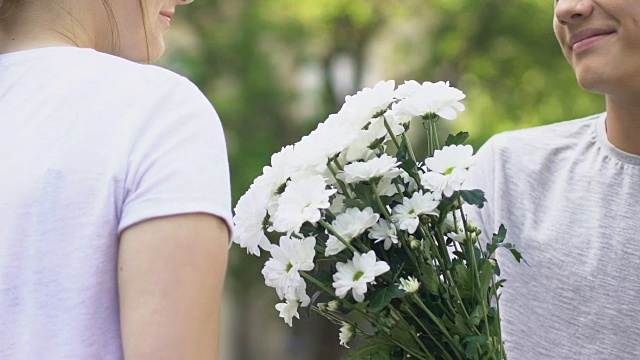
<point x="275" y="68"/>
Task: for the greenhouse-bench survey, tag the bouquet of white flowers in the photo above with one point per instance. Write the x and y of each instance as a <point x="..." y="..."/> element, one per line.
<point x="377" y="237"/>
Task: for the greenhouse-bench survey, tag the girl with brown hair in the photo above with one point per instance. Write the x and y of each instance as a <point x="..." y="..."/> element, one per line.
<point x="114" y="188"/>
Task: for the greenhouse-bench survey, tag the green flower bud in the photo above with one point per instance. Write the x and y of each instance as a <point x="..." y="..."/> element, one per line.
<point x="414" y="243"/>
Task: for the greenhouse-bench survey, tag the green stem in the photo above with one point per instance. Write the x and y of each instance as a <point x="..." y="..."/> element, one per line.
<point x="412" y="156"/>
<point x="341" y="184"/>
<point x="331" y="293"/>
<point x="436" y="321"/>
<point x="387" y="216"/>
<point x="495" y="292"/>
<point x="338" y="165"/>
<point x="443" y="254"/>
<point x="426" y="330"/>
<point x="400" y="345"/>
<point x="318" y="284"/>
<point x="383" y="208"/>
<point x="391" y="134"/>
<point x="475" y="266"/>
<point x="409" y="148"/>
<point x="434" y="134"/>
<point x="445" y="270"/>
<point x="415" y="336"/>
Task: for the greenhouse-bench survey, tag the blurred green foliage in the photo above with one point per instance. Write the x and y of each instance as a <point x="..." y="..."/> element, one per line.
<point x="269" y="67"/>
<point x="505" y="57"/>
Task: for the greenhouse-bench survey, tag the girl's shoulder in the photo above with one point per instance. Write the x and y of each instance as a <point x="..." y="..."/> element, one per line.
<point x="102" y="75"/>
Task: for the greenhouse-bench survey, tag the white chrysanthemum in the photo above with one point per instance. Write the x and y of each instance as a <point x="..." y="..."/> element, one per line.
<point x="347" y="333"/>
<point x="378" y="167"/>
<point x="408" y="89"/>
<point x="410" y="285"/>
<point x="249" y="216"/>
<point x="406" y="215"/>
<point x="354" y="275"/>
<point x="289" y="309"/>
<point x="283" y="164"/>
<point x="430" y="98"/>
<point x="447" y="170"/>
<point x="350" y="224"/>
<point x="288" y="259"/>
<point x="302" y="201"/>
<point x="327" y="140"/>
<point x="384" y="231"/>
<point x="361" y="107"/>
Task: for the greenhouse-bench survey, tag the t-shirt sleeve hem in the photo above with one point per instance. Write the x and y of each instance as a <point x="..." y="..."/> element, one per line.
<point x="152" y="211"/>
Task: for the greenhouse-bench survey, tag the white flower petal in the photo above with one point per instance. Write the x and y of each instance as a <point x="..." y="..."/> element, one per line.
<point x="356" y="273"/>
<point x="302" y="201"/>
<point x="382" y="166"/>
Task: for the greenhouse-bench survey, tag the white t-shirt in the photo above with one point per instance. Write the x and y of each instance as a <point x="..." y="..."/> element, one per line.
<point x="90" y="144"/>
<point x="569" y="200"/>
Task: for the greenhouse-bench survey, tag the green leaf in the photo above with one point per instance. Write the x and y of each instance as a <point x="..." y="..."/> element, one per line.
<point x="365" y="194"/>
<point x="474" y="197"/>
<point x="516" y="254"/>
<point x="475" y="316"/>
<point x="377" y="350"/>
<point x="430" y="279"/>
<point x="496" y="269"/>
<point x="460" y="325"/>
<point x="324" y="276"/>
<point x="382" y="297"/>
<point x="497" y="241"/>
<point x="457" y="139"/>
<point x="356" y="203"/>
<point x="486" y="274"/>
<point x="500" y="235"/>
<point x="473" y="343"/>
<point x="463" y="279"/>
<point x="274" y="237"/>
<point x="403" y="335"/>
<point x="307" y="228"/>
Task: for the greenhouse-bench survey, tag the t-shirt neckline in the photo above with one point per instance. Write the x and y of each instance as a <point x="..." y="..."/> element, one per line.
<point x="608" y="147"/>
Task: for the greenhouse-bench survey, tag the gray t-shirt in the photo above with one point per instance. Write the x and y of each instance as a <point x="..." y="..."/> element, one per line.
<point x="569" y="201"/>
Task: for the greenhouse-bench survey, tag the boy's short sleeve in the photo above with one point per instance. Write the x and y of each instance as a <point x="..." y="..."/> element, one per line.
<point x="178" y="161"/>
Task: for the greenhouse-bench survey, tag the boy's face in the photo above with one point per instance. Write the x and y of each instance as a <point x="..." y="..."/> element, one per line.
<point x="601" y="41"/>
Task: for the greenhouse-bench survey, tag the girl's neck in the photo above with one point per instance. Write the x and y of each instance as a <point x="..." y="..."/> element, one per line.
<point x="31" y="27"/>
